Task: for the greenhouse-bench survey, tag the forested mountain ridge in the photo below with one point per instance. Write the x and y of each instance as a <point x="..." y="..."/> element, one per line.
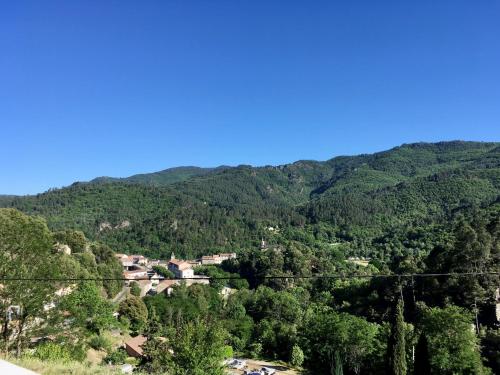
<point x="164" y="177"/>
<point x="232" y="207"/>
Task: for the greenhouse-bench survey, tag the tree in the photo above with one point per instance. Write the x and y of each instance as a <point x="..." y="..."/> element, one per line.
<point x="195" y="348"/>
<point x="88" y="307"/>
<point x="153" y="327"/>
<point x="25" y="253"/>
<point x="422" y="364"/>
<point x="75" y="239"/>
<point x="326" y="331"/>
<point x="164" y="271"/>
<point x="453" y="345"/>
<point x="136" y="311"/>
<point x="397" y="348"/>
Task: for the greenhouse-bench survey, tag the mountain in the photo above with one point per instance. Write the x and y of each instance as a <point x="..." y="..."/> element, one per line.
<point x="165" y="177"/>
<point x="197" y="210"/>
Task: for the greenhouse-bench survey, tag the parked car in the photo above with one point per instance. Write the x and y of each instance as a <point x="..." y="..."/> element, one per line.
<point x="267" y="371"/>
<point x="237" y="364"/>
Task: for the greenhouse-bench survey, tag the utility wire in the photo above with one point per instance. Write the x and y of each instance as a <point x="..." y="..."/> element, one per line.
<point x="296" y="277"/>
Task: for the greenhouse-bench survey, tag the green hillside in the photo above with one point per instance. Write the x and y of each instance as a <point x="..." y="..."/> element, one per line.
<point x="232" y="207"/>
<point x="165" y="177"/>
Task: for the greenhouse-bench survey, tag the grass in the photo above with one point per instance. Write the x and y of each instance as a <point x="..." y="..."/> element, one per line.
<point x="62" y="368"/>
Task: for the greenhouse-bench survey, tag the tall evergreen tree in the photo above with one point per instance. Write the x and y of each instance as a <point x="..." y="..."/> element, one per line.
<point x="422" y="362"/>
<point x="396" y="349"/>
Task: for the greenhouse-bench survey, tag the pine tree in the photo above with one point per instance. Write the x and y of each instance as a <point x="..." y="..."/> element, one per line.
<point x="396" y="349"/>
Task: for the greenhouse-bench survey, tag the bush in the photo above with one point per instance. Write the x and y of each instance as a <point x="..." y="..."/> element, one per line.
<point x="100" y="343"/>
<point x="296" y="356"/>
<point x="228" y="351"/>
<point x="52" y="352"/>
<point x="135" y="290"/>
<point x="116" y="357"/>
<point x="255" y="350"/>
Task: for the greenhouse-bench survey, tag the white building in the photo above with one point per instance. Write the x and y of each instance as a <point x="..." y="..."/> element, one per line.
<point x="180" y="268"/>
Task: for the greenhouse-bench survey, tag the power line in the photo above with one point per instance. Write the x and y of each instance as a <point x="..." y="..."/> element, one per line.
<point x="294" y="277"/>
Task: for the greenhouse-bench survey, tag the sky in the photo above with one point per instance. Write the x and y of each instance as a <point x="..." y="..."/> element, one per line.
<point x="115" y="88"/>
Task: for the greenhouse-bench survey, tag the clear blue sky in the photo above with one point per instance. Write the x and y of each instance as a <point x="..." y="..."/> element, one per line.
<point x="91" y="88"/>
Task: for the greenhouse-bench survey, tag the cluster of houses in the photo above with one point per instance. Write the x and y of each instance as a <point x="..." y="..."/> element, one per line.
<point x="138" y="268"/>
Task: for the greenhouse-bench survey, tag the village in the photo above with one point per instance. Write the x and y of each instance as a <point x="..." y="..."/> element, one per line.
<point x="140" y="269"/>
<point x="143" y="271"/>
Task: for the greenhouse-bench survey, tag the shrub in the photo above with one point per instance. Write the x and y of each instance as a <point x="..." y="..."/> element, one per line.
<point x="99" y="342"/>
<point x="52" y="352"/>
<point x="296" y="356"/>
<point x="135" y="290"/>
<point x="116" y="357"/>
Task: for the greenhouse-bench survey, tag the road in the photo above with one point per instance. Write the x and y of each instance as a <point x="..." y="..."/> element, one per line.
<point x="121" y="295"/>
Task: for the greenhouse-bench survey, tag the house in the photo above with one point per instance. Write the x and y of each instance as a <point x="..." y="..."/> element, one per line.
<point x="134" y="346"/>
<point x="155" y="279"/>
<point x="227" y="256"/>
<point x="166" y="286"/>
<point x="181" y="268"/>
<point x="198" y="279"/>
<point x="194" y="263"/>
<point x="217" y="258"/>
<point x="145" y="286"/>
<point x="129" y="261"/>
<point x="140" y="273"/>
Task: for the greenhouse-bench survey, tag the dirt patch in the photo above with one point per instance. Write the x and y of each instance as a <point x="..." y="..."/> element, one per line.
<point x="254" y="364"/>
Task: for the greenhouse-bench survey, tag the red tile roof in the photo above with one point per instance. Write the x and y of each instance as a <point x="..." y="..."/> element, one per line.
<point x="134" y="345"/>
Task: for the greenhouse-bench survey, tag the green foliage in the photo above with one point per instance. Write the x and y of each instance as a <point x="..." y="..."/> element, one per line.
<point x="25" y="252"/>
<point x="413" y="209"/>
<point x="59" y="352"/>
<point x="135" y="289"/>
<point x="88" y="308"/>
<point x="108" y="267"/>
<point x="116" y="357"/>
<point x="195" y="348"/>
<point x="329" y="332"/>
<point x="75" y="239"/>
<point x="230" y="208"/>
<point x="99" y="342"/>
<point x="296" y="356"/>
<point x="452" y="344"/>
<point x="397" y="347"/>
<point x="163" y="271"/>
<point x="134" y="309"/>
<point x="52" y="352"/>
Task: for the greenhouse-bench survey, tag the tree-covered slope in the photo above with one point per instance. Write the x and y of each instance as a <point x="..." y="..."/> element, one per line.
<point x="233" y="207"/>
<point x="165" y="177"/>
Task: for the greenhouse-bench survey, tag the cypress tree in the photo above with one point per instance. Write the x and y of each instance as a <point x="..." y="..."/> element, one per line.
<point x="396" y="348"/>
<point x="422" y="361"/>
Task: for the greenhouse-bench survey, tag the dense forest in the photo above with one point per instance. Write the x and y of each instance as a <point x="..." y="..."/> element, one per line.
<point x="328" y="292"/>
<point x="197" y="211"/>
